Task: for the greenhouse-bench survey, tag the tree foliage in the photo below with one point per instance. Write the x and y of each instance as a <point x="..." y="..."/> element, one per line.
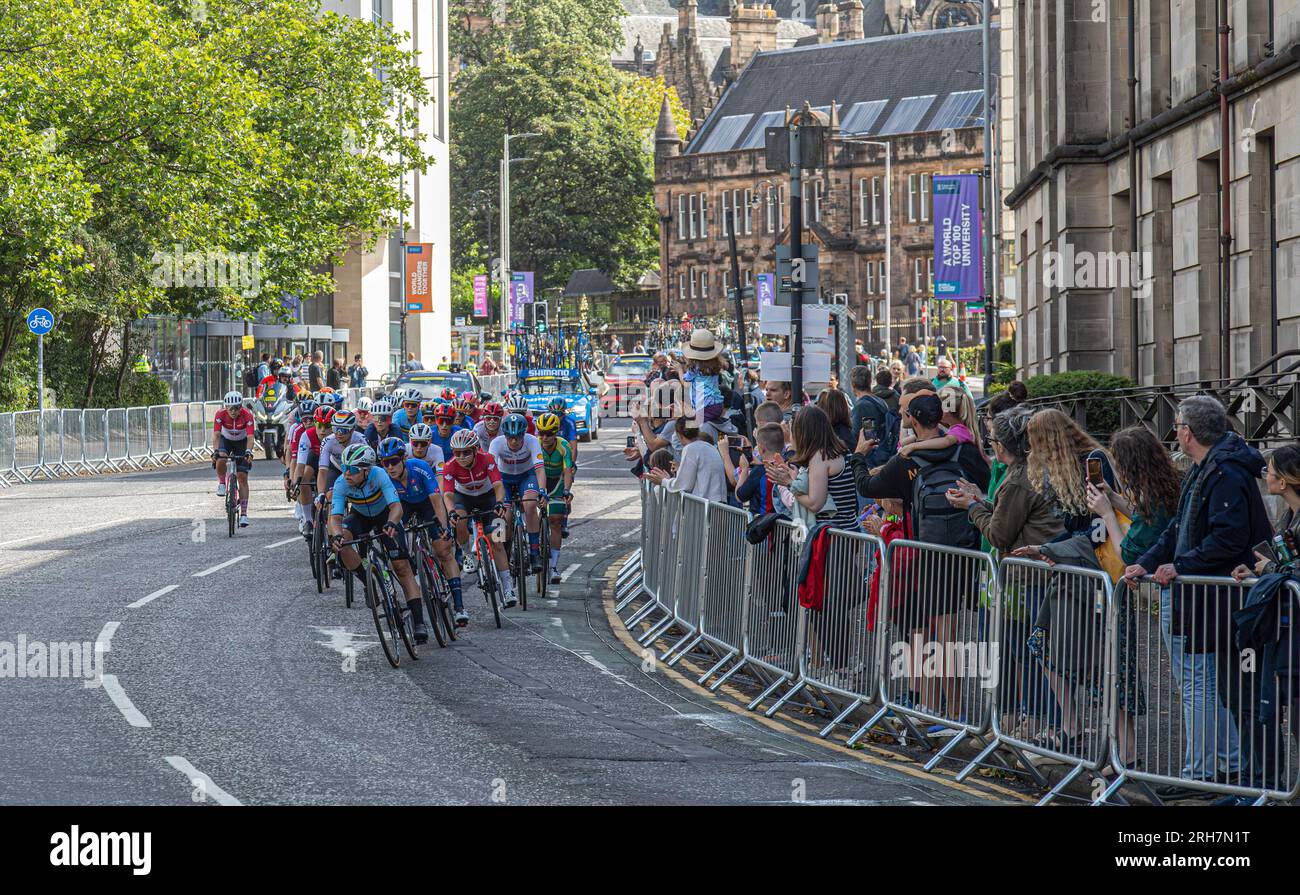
<point x="482" y="31"/>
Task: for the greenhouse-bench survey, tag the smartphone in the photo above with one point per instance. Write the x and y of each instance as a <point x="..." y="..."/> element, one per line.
<point x="631" y="441"/>
<point x="1265" y="549"/>
<point x="869" y="430"/>
<point x="1094" y="471"/>
<point x="734" y="442"/>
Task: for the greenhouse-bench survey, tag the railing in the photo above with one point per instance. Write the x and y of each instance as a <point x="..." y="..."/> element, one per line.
<point x="1137" y="689"/>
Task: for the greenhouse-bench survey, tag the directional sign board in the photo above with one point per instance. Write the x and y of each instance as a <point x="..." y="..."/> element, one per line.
<point x="40" y="322"/>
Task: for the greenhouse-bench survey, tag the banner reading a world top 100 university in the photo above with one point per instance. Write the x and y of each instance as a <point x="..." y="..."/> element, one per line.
<point x="958" y="248"/>
<point x="481" y="295"/>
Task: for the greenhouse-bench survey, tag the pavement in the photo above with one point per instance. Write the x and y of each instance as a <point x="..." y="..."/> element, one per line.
<point x="227" y="679"/>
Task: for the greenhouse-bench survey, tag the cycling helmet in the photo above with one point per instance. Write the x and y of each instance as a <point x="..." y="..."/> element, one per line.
<point x="337" y="398"/>
<point x="493" y="411"/>
<point x="360" y="455"/>
<point x="444" y="412"/>
<point x="411" y="397"/>
<point x="232" y="399"/>
<point x="326" y="390"/>
<point x="397" y="395"/>
<point x="365" y="404"/>
<point x="275" y="365"/>
<point x="469" y="399"/>
<point x="392" y="447"/>
<point x="464" y="440"/>
<point x="428" y="408"/>
<point x="517" y="403"/>
<point x="514" y="426"/>
<point x="382" y="407"/>
<point x="345" y="420"/>
<point x="284" y="375"/>
<point x="421" y="432"/>
<point x="448" y="394"/>
<point x="324" y="415"/>
<point x="306" y="407"/>
<point x="548" y="424"/>
<point x="558" y="405"/>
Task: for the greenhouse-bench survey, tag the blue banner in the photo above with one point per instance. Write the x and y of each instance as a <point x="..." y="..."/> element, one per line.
<point x="958" y="245"/>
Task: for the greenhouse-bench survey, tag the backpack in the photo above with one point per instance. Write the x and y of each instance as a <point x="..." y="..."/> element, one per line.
<point x="250" y="377"/>
<point x="887" y="431"/>
<point x="934" y="520"/>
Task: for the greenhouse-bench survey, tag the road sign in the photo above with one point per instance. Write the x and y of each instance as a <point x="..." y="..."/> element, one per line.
<point x="248" y="343"/>
<point x="40" y="322"/>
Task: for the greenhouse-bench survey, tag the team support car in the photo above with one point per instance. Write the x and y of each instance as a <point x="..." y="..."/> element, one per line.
<point x="626" y="380"/>
<point x="542" y="386"/>
<point x="432" y="383"/>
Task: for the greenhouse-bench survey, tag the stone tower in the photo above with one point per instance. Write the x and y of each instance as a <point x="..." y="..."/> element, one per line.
<point x="753" y="30"/>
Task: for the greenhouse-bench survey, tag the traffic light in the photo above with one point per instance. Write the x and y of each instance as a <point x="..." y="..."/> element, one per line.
<point x="541" y="316"/>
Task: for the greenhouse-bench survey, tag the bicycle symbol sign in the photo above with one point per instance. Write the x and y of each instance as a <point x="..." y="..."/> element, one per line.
<point x="40" y="322"/>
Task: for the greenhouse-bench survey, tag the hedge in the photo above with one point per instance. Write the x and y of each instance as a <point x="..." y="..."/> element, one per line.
<point x="1102" y="414"/>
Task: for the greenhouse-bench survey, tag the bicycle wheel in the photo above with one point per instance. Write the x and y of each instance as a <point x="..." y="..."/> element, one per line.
<point x="399" y="615"/>
<point x="544" y="540"/>
<point x="349" y="582"/>
<point x="320" y="555"/>
<point x="423" y="565"/>
<point x="442" y="597"/>
<point x="313" y="555"/>
<point x="519" y="561"/>
<point x="232" y="503"/>
<point x="378" y="600"/>
<point x="491" y="582"/>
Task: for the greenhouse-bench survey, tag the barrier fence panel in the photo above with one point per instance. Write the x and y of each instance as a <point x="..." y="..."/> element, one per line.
<point x="178" y="418"/>
<point x="27" y="458"/>
<point x="692" y="557"/>
<point x="722" y="611"/>
<point x="160" y="432"/>
<point x="95" y="438"/>
<point x="669" y="544"/>
<point x="1047" y="640"/>
<point x="7" y="442"/>
<point x="137" y="436"/>
<point x="210" y="411"/>
<point x="200" y="435"/>
<point x="772" y="644"/>
<point x="843" y="642"/>
<point x="119" y="450"/>
<point x="72" y="424"/>
<point x="636" y="586"/>
<point x="51" y="459"/>
<point x="1211" y="720"/>
<point x="660" y="563"/>
<point x="936" y="655"/>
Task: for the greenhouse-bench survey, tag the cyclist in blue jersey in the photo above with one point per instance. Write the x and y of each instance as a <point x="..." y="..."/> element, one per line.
<point x="423" y="448"/>
<point x="366" y="502"/>
<point x="416" y="484"/>
<point x="445" y="427"/>
<point x="381" y="422"/>
<point x="409" y="415"/>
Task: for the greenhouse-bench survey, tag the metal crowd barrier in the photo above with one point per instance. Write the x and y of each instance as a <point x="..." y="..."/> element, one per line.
<point x="1049" y="665"/>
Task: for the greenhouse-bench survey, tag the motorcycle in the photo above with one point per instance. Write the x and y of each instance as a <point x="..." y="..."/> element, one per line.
<point x="273" y="425"/>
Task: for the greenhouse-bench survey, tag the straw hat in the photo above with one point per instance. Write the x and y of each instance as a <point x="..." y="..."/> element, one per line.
<point x="702" y="346"/>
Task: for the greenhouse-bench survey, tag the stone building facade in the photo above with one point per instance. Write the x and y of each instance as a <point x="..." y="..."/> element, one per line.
<point x="1127" y="261"/>
<point x="723" y="166"/>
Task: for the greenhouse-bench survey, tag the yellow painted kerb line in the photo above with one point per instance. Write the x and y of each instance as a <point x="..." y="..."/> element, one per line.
<point x="787" y="724"/>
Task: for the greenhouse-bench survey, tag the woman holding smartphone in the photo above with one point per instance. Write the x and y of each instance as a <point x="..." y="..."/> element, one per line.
<point x="1282" y="479"/>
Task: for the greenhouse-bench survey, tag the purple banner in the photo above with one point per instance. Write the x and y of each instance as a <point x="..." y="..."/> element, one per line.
<point x="958" y="245"/>
<point x="521" y="293"/>
<point x="480" y="295"/>
<point x="765" y="289"/>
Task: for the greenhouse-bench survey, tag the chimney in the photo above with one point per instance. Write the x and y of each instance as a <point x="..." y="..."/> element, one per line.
<point x="828" y="23"/>
<point x="686" y="18"/>
<point x="851" y="14"/>
<point x="753" y="30"/>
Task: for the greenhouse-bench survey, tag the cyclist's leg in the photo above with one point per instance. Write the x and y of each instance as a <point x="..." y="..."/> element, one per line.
<point x="353" y="525"/>
<point x="242" y="467"/>
<point x="400" y="557"/>
<point x="450" y="569"/>
<point x="555" y="520"/>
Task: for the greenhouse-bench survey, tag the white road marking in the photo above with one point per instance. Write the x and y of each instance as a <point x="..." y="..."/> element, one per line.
<point x="153" y="596"/>
<point x="627" y="534"/>
<point x="220" y="566"/>
<point x="282" y="543"/>
<point x="343" y="641"/>
<point x="595" y="663"/>
<point x="123" y="702"/>
<point x="588" y="555"/>
<point x="564" y="576"/>
<point x="202" y="782"/>
<point x="104" y="642"/>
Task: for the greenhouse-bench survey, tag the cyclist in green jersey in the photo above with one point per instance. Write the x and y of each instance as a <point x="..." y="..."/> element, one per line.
<point x="557" y="458"/>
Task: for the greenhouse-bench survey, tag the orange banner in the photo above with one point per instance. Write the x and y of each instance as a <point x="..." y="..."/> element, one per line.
<point x="419" y="265"/>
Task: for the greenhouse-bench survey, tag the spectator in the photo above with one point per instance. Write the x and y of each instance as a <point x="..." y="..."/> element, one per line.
<point x="818" y="475"/>
<point x="899" y="374"/>
<point x="412" y="363"/>
<point x="753" y="487"/>
<point x="836" y="407"/>
<point x="699" y="468"/>
<point x="1017" y="391"/>
<point x="885" y="390"/>
<point x="779" y="393"/>
<point x="1059" y="453"/>
<point x="264" y="368"/>
<point x="488" y="367"/>
<point x="958" y="421"/>
<point x="912" y="362"/>
<point x="1220" y="515"/>
<point x="941" y="348"/>
<point x="334" y="378"/>
<point x="357" y="373"/>
<point x="1281" y="479"/>
<point x="902" y="349"/>
<point x="944" y="378"/>
<point x="316" y="372"/>
<point x="869" y="410"/>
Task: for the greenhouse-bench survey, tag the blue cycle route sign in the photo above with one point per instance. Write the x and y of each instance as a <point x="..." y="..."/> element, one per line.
<point x="40" y="322"/>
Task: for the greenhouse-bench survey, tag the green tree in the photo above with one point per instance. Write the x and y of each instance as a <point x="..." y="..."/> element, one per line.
<point x="478" y="37"/>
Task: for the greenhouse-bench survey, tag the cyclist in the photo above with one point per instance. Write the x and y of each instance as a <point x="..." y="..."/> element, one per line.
<point x="466" y="408"/>
<point x="472" y="484"/>
<point x="445" y="427"/>
<point x="557" y="459"/>
<point x="409" y="414"/>
<point x="232" y="433"/>
<point x="423" y="448"/>
<point x="517" y="403"/>
<point x="309" y="458"/>
<point x="447" y="395"/>
<point x="306" y="408"/>
<point x="381" y="422"/>
<point x="371" y="504"/>
<point x="519" y="458"/>
<point x="417" y="486"/>
<point x="364" y="406"/>
<point x="343" y="425"/>
<point x="489" y="424"/>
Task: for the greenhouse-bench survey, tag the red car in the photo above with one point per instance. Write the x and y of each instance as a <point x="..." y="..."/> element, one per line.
<point x="626" y="381"/>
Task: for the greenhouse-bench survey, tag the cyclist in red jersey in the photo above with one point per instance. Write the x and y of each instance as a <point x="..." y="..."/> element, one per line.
<point x="232" y="433"/>
<point x="471" y="483"/>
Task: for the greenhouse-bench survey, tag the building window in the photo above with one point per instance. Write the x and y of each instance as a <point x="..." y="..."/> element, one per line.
<point x="749" y="277"/>
<point x="918" y="275"/>
<point x="681" y="216"/>
<point x="929" y="277"/>
<point x="704" y="282"/>
<point x="863" y="218"/>
<point x="693" y="203"/>
<point x="681" y="287"/>
<point x="726" y="282"/>
<point x="871" y="278"/>
<point x="769" y="204"/>
<point x="749" y="212"/>
<point x="912" y="195"/>
<point x="693" y="278"/>
<point x="884" y="278"/>
<point x="704" y="215"/>
<point x="726" y="213"/>
<point x="925" y="197"/>
<point x="877" y="201"/>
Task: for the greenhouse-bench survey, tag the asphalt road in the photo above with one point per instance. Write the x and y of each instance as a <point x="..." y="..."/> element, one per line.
<point x="241" y="678"/>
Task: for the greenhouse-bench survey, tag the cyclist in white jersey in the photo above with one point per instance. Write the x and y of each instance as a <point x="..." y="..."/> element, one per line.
<point x="519" y="459"/>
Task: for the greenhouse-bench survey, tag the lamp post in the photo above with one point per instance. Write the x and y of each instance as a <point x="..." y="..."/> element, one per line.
<point x="505" y="228"/>
<point x="889" y="242"/>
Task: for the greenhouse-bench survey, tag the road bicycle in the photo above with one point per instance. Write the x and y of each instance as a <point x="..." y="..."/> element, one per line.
<point x="434" y="588"/>
<point x="488" y="579"/>
<point x="517" y="550"/>
<point x="232" y="486"/>
<point x="392" y="617"/>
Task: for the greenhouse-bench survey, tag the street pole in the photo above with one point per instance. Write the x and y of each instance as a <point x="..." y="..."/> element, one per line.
<point x="990" y="208"/>
<point x="503" y="175"/>
<point x="40" y="396"/>
<point x="796" y="253"/>
<point x="738" y="292"/>
<point x="401" y="238"/>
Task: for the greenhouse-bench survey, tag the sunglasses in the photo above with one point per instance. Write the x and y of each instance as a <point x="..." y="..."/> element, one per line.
<point x="354" y="470"/>
<point x="464" y="452"/>
<point x="393" y="461"/>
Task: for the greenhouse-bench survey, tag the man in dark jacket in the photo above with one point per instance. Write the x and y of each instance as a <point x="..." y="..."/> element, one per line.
<point x="1221" y="514"/>
<point x="871" y="412"/>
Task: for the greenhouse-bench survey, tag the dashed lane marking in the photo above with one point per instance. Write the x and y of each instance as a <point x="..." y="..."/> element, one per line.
<point x="282" y="543"/>
<point x="113" y="688"/>
<point x="564" y="576"/>
<point x="202" y="783"/>
<point x="219" y="566"/>
<point x="162" y="591"/>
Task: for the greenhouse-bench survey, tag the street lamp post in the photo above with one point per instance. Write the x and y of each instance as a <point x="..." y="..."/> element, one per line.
<point x="505" y="229"/>
<point x="889" y="242"/>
